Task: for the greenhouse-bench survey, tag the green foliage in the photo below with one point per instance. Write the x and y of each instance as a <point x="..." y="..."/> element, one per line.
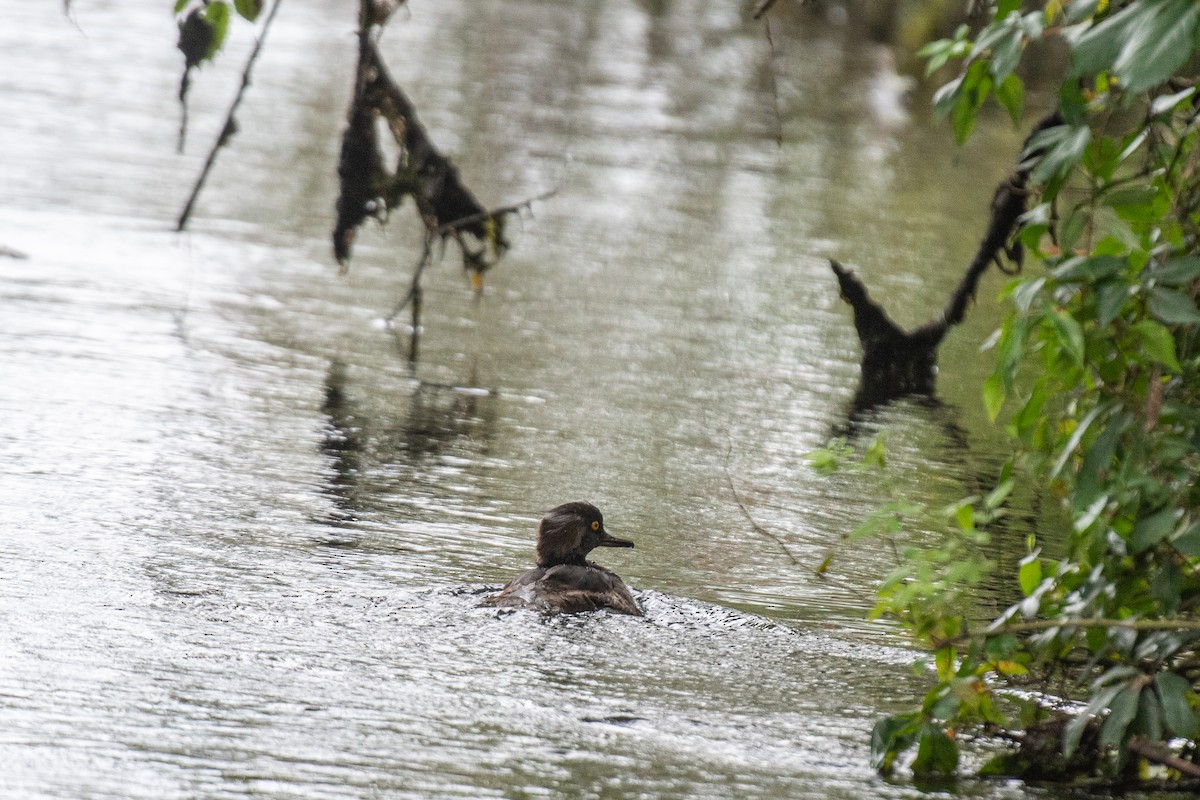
<point x="1097" y="376"/>
<point x="248" y="9"/>
<point x="204" y="26"/>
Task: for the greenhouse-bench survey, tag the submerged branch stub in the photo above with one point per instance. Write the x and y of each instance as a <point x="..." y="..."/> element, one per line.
<point x="898" y="363"/>
<point x="895" y="363"/>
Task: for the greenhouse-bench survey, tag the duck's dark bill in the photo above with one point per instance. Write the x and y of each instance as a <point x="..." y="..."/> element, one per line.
<point x="611" y="541"/>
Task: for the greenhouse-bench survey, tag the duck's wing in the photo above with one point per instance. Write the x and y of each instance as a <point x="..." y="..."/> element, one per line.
<point x="588" y="588"/>
<point x="521" y="591"/>
<point x="566" y="589"/>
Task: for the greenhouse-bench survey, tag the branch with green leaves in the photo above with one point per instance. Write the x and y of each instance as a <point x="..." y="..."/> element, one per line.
<point x="1097" y="382"/>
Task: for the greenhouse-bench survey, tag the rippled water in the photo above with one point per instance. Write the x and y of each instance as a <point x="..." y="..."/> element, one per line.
<point x="245" y="539"/>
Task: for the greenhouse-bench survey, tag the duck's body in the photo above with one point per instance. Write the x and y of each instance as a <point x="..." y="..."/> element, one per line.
<point x="567" y="589"/>
<point x="564" y="581"/>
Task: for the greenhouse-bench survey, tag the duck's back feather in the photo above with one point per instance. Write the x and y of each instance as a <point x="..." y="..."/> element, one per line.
<point x="567" y="589"/>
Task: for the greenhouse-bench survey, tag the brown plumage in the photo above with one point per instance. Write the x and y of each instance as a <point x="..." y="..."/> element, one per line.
<point x="564" y="581"/>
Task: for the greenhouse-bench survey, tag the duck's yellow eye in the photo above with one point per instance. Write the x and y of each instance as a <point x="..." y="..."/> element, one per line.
<point x="595" y="525"/>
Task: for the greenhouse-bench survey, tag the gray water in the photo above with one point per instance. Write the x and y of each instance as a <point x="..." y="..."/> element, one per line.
<point x="244" y="539"/>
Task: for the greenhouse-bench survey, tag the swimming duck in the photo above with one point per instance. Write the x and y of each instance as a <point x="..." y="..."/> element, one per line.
<point x="564" y="581"/>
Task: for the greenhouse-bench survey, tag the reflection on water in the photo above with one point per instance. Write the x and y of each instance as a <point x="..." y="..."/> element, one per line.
<point x="436" y="423"/>
<point x="247" y="538"/>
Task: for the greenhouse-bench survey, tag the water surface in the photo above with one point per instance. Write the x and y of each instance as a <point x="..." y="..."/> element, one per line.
<point x="245" y="538"/>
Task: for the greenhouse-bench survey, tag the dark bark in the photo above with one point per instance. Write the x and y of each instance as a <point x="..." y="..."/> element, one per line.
<point x="422" y="172"/>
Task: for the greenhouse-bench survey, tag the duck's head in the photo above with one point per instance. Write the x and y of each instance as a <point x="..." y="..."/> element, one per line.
<point x="568" y="533"/>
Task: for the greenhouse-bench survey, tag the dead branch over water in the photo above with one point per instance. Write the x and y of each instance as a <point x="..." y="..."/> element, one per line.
<point x="898" y="363"/>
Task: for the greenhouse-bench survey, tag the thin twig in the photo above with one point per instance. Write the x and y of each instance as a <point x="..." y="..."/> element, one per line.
<point x="1033" y="626"/>
<point x="450" y="227"/>
<point x="759" y="529"/>
<point x="763" y="7"/>
<point x="774" y="79"/>
<point x="1148" y="751"/>
<point x="414" y="288"/>
<point x="230" y="126"/>
<point x="1039" y="625"/>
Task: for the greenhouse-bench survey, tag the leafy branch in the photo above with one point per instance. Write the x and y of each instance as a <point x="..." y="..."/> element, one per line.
<point x="191" y="35"/>
<point x="1097" y="380"/>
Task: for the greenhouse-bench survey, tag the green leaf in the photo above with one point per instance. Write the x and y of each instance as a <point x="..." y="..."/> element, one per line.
<point x="1030" y="573"/>
<point x="1122" y="711"/>
<point x="1149" y="719"/>
<point x="1002" y="40"/>
<point x="1073" y="228"/>
<point x="1040" y="214"/>
<point x="1006" y="7"/>
<point x="1151" y="530"/>
<point x="976" y="86"/>
<point x="823" y="461"/>
<point x="999" y="648"/>
<point x="1010" y="92"/>
<point x="180" y="5"/>
<point x="1078" y="10"/>
<point x="1091" y="270"/>
<point x="1166" y="585"/>
<point x="987" y="39"/>
<point x="965" y="517"/>
<point x="1177" y="713"/>
<point x="1158" y="44"/>
<point x="998" y="495"/>
<point x="1173" y="307"/>
<point x="1025" y="293"/>
<point x="943" y="659"/>
<point x="1134" y="145"/>
<point x="1157" y="343"/>
<point x="1010" y="349"/>
<point x="1087" y="517"/>
<point x="1070" y="335"/>
<point x="1188" y="542"/>
<point x="934" y="48"/>
<point x="946" y="97"/>
<point x="994" y="393"/>
<point x="1136" y="203"/>
<point x="1167" y="102"/>
<point x="1065" y="144"/>
<point x="1073" y="104"/>
<point x="945" y="706"/>
<point x="248" y="9"/>
<point x="876" y="455"/>
<point x="890" y="737"/>
<point x="1074" y="730"/>
<point x="1110" y="299"/>
<point x="1028" y="418"/>
<point x="936" y="752"/>
<point x="1178" y="271"/>
<point x="1099" y="45"/>
<point x="1073" y="440"/>
<point x="217" y="14"/>
<point x="1089" y="479"/>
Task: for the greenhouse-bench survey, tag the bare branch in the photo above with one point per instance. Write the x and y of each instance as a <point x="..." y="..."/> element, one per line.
<point x="451" y="227"/>
<point x="759" y="529"/>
